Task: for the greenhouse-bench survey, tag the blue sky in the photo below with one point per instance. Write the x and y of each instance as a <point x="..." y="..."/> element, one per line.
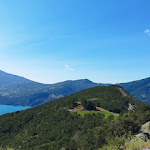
<point x="49" y="41"/>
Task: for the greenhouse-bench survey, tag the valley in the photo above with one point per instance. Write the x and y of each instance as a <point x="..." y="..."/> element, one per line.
<point x="74" y="75"/>
<point x="24" y="92"/>
<point x="69" y="115"/>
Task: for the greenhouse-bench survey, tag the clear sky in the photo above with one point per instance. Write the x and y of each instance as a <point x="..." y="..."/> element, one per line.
<point x="106" y="41"/>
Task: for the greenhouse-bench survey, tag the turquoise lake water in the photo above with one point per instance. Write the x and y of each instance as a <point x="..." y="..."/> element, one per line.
<point x="9" y="108"/>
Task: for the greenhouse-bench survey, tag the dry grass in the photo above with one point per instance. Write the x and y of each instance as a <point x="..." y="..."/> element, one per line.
<point x="79" y="103"/>
<point x="101" y="109"/>
<point x="76" y="109"/>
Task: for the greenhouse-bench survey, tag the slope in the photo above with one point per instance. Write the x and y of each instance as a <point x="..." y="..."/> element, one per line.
<point x="15" y="90"/>
<point x="139" y="89"/>
<point x="7" y="79"/>
<point x="52" y="126"/>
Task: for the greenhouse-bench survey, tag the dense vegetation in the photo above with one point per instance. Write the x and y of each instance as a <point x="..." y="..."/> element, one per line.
<point x="112" y="98"/>
<point x="52" y="127"/>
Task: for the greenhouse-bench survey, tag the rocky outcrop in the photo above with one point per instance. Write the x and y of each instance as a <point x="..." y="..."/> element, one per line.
<point x="144" y="132"/>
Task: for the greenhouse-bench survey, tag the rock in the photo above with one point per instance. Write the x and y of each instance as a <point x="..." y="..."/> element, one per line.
<point x="145" y="128"/>
<point x="144" y="132"/>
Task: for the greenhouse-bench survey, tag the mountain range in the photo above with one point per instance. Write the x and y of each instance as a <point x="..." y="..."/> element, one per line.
<point x="16" y="90"/>
<point x="100" y="117"/>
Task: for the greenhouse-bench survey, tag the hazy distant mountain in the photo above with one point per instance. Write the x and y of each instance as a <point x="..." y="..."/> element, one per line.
<point x="15" y="90"/>
<point x="140" y="89"/>
<point x="9" y="79"/>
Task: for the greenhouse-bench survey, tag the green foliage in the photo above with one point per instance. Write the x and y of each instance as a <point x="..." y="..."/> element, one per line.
<point x="88" y="105"/>
<point x="108" y="115"/>
<point x="117" y="143"/>
<point x="109" y="98"/>
<point x="52" y="127"/>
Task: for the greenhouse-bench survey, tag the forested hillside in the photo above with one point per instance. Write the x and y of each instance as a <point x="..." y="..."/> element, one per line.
<point x="52" y="126"/>
<point x="15" y="90"/>
<point x="139" y="89"/>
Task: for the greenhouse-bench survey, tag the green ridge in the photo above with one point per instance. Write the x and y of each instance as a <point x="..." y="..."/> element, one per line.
<point x="52" y="127"/>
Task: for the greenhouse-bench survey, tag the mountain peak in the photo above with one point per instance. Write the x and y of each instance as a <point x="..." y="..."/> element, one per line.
<point x="85" y="80"/>
<point x="9" y="79"/>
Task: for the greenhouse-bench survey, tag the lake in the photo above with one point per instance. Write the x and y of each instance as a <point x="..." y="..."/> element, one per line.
<point x="9" y="108"/>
